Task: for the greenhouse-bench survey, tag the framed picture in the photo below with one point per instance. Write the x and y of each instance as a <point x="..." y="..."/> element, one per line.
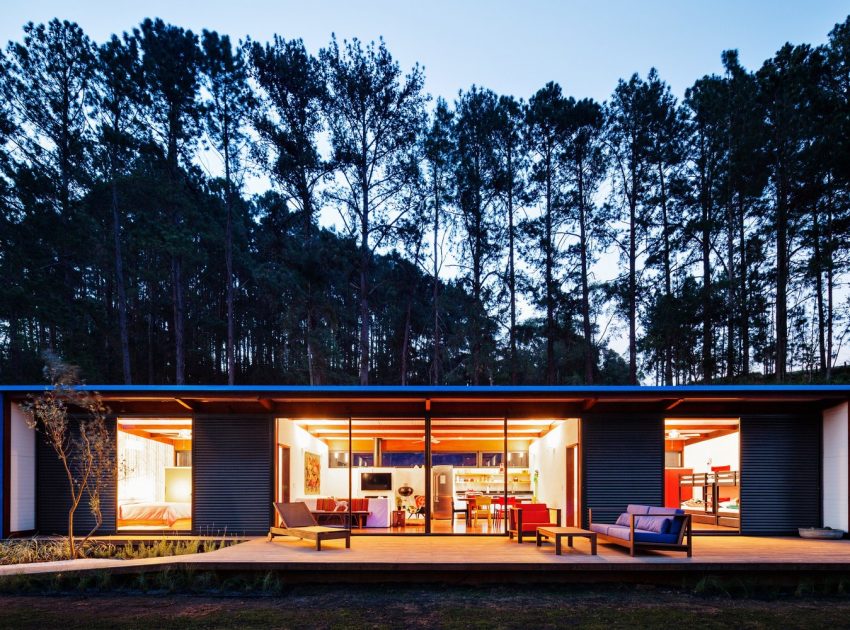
<point x="312" y="473"/>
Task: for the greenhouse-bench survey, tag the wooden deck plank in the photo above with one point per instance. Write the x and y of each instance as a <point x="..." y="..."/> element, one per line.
<point x="405" y="554"/>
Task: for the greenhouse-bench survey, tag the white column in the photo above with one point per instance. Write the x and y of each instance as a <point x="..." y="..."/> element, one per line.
<point x="836" y="444"/>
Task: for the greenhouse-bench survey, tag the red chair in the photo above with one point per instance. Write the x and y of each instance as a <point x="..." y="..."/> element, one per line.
<point x="527" y="517"/>
<point x="499" y="503"/>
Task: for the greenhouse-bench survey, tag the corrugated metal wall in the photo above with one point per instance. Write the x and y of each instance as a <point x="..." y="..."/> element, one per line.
<point x="780" y="473"/>
<point x="232" y="470"/>
<point x="622" y="463"/>
<point x="53" y="496"/>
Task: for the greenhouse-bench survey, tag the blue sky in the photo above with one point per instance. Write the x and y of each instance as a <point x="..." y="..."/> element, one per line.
<point x="510" y="47"/>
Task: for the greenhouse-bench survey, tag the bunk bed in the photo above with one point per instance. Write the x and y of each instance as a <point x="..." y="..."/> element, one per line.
<point x="720" y="503"/>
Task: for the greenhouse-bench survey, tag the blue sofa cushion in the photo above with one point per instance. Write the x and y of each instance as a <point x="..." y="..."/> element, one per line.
<point x="637" y="509"/>
<point x="676" y="524"/>
<point x="599" y="528"/>
<point x="618" y="531"/>
<point x="656" y="524"/>
<point x="653" y="537"/>
<point x="641" y="535"/>
<point x="664" y="510"/>
<point x="623" y="519"/>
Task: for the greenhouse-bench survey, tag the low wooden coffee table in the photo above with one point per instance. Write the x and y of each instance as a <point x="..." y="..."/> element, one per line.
<point x="569" y="532"/>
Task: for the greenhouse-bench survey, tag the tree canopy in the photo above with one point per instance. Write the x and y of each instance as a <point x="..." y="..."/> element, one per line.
<point x="180" y="208"/>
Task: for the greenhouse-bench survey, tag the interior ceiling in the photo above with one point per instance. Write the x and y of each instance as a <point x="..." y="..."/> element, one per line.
<point x="170" y="428"/>
<point x="698" y="429"/>
<point x="441" y="428"/>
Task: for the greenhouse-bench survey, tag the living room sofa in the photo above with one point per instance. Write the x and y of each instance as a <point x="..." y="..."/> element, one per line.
<point x="647" y="527"/>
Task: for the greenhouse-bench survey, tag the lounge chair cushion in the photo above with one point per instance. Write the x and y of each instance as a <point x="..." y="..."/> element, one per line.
<point x="623" y="519"/>
<point x="637" y="509"/>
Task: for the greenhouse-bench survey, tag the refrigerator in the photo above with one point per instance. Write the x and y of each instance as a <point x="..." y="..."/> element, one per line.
<point x="442" y="491"/>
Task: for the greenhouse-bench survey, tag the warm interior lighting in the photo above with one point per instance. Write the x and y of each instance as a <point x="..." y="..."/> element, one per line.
<point x="178" y="484"/>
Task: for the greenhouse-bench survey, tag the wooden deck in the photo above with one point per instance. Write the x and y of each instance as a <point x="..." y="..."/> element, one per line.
<point x="390" y="558"/>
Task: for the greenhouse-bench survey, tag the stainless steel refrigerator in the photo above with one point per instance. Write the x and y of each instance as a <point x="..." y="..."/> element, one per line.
<point x="442" y="491"/>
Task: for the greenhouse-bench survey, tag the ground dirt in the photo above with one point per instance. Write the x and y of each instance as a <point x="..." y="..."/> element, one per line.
<point x="433" y="607"/>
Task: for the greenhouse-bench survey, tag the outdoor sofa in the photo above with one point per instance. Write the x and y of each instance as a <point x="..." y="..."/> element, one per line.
<point x="647" y="527"/>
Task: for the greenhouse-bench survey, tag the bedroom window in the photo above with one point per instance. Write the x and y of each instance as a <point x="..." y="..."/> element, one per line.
<point x="154" y="457"/>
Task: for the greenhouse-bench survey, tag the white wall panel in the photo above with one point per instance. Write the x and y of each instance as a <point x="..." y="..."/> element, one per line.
<point x="22" y="473"/>
<point x="836" y="443"/>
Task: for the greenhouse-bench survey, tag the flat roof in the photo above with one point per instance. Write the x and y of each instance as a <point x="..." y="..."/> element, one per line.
<point x="376" y="401"/>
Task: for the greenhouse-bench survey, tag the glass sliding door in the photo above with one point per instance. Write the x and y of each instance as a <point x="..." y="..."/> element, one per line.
<point x="386" y="468"/>
<point x="467" y="475"/>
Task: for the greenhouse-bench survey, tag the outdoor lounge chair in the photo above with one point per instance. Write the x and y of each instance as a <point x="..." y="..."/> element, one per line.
<point x="299" y="522"/>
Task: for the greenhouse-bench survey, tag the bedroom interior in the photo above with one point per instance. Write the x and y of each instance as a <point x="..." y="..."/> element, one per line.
<point x="154" y="458"/>
<point x="702" y="471"/>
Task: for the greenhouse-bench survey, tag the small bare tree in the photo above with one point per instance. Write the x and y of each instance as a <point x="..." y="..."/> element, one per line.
<point x="86" y="453"/>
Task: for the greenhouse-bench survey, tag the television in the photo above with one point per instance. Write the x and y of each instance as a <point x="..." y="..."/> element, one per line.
<point x="376" y="481"/>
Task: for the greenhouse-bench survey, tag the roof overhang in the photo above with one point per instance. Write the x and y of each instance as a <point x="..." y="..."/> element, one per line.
<point x="458" y="402"/>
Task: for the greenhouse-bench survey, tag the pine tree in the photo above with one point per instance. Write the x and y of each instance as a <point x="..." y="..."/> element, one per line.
<point x="375" y="116"/>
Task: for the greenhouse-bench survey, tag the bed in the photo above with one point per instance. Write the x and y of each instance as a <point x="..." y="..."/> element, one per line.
<point x="147" y="513"/>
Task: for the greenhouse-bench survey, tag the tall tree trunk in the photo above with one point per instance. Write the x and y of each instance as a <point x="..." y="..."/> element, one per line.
<point x="408" y="316"/>
<point x="668" y="277"/>
<point x="120" y="285"/>
<point x="731" y="316"/>
<point x="364" y="283"/>
<point x="707" y="311"/>
<point x="511" y="268"/>
<point x="587" y="331"/>
<point x="435" y="365"/>
<point x="817" y="254"/>
<point x="179" y="316"/>
<point x="830" y="241"/>
<point x="228" y="262"/>
<point x="632" y="288"/>
<point x="743" y="299"/>
<point x="550" y="307"/>
<point x="781" y="279"/>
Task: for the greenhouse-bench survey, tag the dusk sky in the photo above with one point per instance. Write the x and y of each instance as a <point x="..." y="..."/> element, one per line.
<point x="509" y="47"/>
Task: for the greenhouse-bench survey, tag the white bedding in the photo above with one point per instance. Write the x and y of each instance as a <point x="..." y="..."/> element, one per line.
<point x="168" y="512"/>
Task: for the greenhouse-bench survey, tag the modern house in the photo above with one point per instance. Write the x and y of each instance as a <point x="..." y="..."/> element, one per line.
<point x="406" y="460"/>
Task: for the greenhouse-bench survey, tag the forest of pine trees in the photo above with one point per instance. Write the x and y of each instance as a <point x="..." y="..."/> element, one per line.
<point x="181" y="208"/>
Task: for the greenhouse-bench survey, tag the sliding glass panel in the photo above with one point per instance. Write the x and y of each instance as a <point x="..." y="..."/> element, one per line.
<point x="154" y="457"/>
<point x="387" y="476"/>
<point x="467" y="483"/>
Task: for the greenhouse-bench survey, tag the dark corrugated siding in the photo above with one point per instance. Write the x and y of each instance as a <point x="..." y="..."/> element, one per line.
<point x="780" y="474"/>
<point x="53" y="497"/>
<point x="232" y="471"/>
<point x="622" y="463"/>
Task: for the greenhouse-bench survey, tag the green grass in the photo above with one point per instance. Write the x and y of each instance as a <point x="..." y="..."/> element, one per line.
<point x="24" y="551"/>
<point x="380" y="606"/>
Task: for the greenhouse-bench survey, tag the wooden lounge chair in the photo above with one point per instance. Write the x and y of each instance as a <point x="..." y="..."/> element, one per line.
<point x="299" y="522"/>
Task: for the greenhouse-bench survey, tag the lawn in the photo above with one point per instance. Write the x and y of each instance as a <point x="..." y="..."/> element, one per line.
<point x="528" y="608"/>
